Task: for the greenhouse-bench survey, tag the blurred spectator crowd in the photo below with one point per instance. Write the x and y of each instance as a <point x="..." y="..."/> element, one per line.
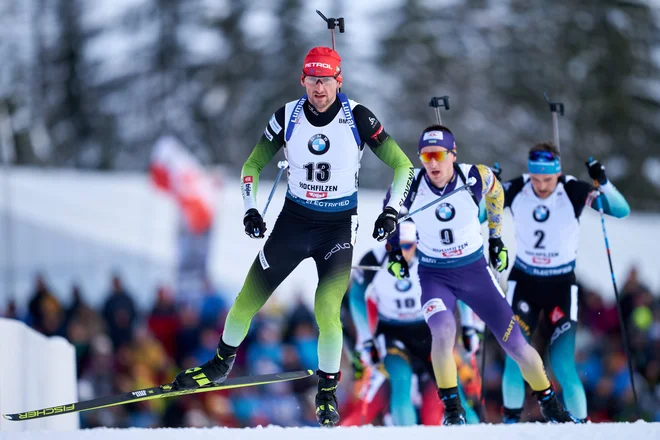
<point x="120" y="348"/>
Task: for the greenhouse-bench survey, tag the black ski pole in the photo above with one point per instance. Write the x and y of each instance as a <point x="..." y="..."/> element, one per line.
<point x="557" y="109"/>
<point x="482" y="395"/>
<point x="624" y="332"/>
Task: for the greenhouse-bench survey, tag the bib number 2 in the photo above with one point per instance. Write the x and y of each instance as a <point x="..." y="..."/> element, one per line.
<point x="539" y="243"/>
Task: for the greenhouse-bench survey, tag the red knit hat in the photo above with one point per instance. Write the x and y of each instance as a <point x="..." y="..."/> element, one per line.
<point x="322" y="61"/>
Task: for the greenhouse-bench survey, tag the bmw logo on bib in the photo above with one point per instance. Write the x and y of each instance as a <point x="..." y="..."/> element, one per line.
<point x="318" y="144"/>
<point x="403" y="285"/>
<point x="445" y="212"/>
<point x="541" y="213"/>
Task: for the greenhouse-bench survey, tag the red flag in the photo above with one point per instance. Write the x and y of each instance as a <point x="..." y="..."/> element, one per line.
<point x="176" y="171"/>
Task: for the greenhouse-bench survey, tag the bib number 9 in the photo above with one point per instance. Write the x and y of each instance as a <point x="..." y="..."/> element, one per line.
<point x="447" y="236"/>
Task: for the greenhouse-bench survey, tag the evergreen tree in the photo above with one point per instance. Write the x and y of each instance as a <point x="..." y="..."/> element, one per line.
<point x="496" y="59"/>
<point x="15" y="85"/>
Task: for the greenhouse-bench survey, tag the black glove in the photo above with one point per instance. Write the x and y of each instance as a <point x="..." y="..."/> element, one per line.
<point x="254" y="224"/>
<point x="385" y="224"/>
<point x="370" y="352"/>
<point x="397" y="265"/>
<point x="471" y="339"/>
<point x="596" y="171"/>
<point x="499" y="254"/>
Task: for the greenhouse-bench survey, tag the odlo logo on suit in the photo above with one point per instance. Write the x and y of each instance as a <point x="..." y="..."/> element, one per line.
<point x="337" y="248"/>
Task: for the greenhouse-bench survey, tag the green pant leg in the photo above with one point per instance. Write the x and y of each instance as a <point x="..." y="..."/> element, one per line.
<point x="279" y="257"/>
<point x="334" y="274"/>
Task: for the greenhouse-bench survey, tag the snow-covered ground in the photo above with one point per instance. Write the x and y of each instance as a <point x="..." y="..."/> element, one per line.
<point x="526" y="431"/>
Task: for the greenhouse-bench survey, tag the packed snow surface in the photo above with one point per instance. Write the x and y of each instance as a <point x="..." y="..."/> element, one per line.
<point x="525" y="431"/>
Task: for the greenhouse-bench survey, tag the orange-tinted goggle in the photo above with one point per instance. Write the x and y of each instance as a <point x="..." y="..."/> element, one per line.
<point x="313" y="80"/>
<point x="439" y="156"/>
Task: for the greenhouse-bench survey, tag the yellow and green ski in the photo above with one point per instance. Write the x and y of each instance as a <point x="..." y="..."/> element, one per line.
<point x="159" y="392"/>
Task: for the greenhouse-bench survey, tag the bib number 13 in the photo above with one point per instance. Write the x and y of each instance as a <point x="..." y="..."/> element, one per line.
<point x="319" y="171"/>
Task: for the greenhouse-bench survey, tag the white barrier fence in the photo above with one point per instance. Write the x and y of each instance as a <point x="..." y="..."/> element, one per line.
<point x="35" y="372"/>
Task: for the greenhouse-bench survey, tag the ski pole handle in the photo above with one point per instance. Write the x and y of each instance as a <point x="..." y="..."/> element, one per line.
<point x="470" y="182"/>
<point x="282" y="165"/>
<point x="595" y="181"/>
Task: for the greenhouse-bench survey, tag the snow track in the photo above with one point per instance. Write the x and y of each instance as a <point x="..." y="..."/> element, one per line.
<point x="527" y="431"/>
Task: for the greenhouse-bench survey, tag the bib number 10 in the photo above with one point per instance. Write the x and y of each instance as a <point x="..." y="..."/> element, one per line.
<point x="322" y="173"/>
<point x="407" y="303"/>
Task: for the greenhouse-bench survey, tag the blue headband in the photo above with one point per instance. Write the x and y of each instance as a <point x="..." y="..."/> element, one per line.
<point x="437" y="138"/>
<point x="544" y="167"/>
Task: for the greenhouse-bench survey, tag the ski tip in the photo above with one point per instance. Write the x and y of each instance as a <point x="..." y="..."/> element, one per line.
<point x="8" y="416"/>
<point x="292" y="375"/>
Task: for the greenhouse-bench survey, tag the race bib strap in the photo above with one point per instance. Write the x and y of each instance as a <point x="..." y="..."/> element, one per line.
<point x="348" y="113"/>
<point x="294" y="116"/>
